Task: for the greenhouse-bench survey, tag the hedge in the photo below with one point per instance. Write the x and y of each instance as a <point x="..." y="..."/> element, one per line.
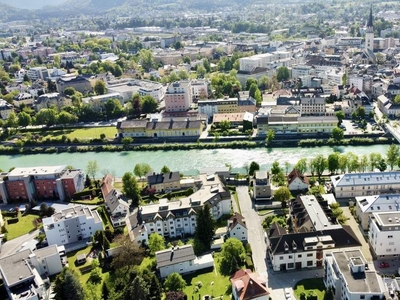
<point x="249" y="262"/>
<point x="79" y="195"/>
<point x="12" y="221"/>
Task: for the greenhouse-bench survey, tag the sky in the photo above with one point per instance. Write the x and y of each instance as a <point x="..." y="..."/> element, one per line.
<point x="31" y="4"/>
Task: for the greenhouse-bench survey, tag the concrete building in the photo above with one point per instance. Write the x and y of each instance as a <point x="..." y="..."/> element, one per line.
<point x="178" y="96"/>
<point x="262" y="186"/>
<point x="79" y="83"/>
<point x="367" y="205"/>
<point x="48" y="260"/>
<point x="384" y="234"/>
<point x="365" y="184"/>
<point x="5" y="109"/>
<point x="210" y="107"/>
<point x="127" y="88"/>
<point x="23" y="98"/>
<point x="247" y="285"/>
<point x="40" y="183"/>
<point x="237" y="227"/>
<point x="199" y="89"/>
<point x="348" y="274"/>
<point x="181" y="260"/>
<point x="71" y="225"/>
<point x="37" y="73"/>
<point x="313" y="106"/>
<point x="97" y="102"/>
<point x="47" y="100"/>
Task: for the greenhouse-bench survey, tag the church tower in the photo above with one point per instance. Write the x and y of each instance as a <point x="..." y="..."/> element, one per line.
<point x="369" y="33"/>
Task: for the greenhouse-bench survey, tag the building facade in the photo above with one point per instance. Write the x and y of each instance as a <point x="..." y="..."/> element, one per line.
<point x="178" y="96"/>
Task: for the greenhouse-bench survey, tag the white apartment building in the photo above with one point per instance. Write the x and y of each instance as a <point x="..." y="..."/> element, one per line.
<point x="347" y="273"/>
<point x="312" y="106"/>
<point x="71" y="225"/>
<point x="301" y="70"/>
<point x="5" y="109"/>
<point x="199" y="88"/>
<point x="48" y="260"/>
<point x="97" y="102"/>
<point x="37" y="73"/>
<point x="177" y="218"/>
<point x="367" y="205"/>
<point x="127" y="88"/>
<point x="364" y="184"/>
<point x="384" y="234"/>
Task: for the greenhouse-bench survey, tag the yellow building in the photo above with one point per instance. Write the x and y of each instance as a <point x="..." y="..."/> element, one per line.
<point x="321" y="124"/>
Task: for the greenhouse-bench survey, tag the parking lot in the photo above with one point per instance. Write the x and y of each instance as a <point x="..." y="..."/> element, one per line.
<point x="351" y="127"/>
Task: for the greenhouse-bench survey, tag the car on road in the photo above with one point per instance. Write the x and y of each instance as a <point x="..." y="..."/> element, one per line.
<point x="288" y="296"/>
<point x="383" y="265"/>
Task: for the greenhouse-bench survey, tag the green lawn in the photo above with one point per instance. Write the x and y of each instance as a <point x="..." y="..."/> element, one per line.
<point x="23" y="226"/>
<point x="316" y="285"/>
<point x="79" y="133"/>
<point x="221" y="286"/>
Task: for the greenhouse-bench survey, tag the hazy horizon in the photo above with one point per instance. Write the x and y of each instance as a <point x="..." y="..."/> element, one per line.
<point x="29" y="4"/>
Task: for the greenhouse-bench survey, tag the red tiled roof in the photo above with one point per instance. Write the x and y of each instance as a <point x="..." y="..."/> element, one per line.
<point x="296" y="174"/>
<point x="248" y="285"/>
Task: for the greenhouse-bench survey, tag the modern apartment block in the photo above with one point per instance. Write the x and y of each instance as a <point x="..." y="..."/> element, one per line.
<point x="384" y="234"/>
<point x="37" y="73"/>
<point x="348" y="274"/>
<point x="365" y="184"/>
<point x="71" y="225"/>
<point x="40" y="183"/>
<point x="178" y="97"/>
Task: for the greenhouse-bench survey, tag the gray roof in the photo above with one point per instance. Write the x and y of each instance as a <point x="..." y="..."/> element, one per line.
<point x="374" y="178"/>
<point x="163" y="178"/>
<point x="174" y="256"/>
<point x="15" y="268"/>
<point x="46" y="251"/>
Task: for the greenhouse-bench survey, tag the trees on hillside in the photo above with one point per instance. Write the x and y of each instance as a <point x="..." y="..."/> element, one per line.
<point x="92" y="168"/>
<point x="100" y="87"/>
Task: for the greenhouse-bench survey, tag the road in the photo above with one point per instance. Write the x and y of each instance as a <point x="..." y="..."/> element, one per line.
<point x="13" y="245"/>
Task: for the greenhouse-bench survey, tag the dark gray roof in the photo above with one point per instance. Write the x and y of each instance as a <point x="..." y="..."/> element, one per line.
<point x="15" y="268"/>
<point x="163" y="178"/>
<point x="173" y="125"/>
<point x="174" y="256"/>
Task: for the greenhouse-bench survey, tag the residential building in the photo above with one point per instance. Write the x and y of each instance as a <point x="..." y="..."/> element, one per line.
<point x="210" y="107"/>
<point x="48" y="260"/>
<point x="117" y="208"/>
<point x="72" y="225"/>
<point x="366" y="205"/>
<point x="247" y="285"/>
<point x="237" y="227"/>
<point x="384" y="234"/>
<point x="132" y="128"/>
<point x="297" y="181"/>
<point x="40" y="183"/>
<point x="5" y="109"/>
<point x="177" y="218"/>
<point x="37" y="73"/>
<point x="23" y="98"/>
<point x="51" y="99"/>
<point x="348" y="274"/>
<point x="129" y="87"/>
<point x="182" y="260"/>
<point x="313" y="106"/>
<point x="317" y="125"/>
<point x="262" y="186"/>
<point x="163" y="183"/>
<point x="289" y="251"/>
<point x="178" y="96"/>
<point x="97" y="102"/>
<point x="199" y="89"/>
<point x="79" y="83"/>
<point x="388" y="107"/>
<point x="365" y="184"/>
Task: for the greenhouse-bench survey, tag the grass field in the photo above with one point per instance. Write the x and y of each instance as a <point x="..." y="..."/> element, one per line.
<point x="79" y="133"/>
<point x="221" y="285"/>
<point x="314" y="285"/>
<point x="23" y="226"/>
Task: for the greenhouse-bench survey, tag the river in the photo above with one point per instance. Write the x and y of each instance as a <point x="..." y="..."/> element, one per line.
<point x="185" y="161"/>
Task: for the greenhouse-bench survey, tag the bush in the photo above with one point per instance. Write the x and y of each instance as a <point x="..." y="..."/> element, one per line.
<point x="249" y="251"/>
<point x="12" y="221"/>
<point x="249" y="262"/>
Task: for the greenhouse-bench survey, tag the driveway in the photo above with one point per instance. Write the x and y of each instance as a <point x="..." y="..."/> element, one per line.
<point x="13" y="245"/>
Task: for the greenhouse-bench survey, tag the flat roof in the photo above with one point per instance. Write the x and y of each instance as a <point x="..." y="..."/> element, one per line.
<point x="15" y="267"/>
<point x="44" y="170"/>
<point x="72" y="212"/>
<point x="388" y="218"/>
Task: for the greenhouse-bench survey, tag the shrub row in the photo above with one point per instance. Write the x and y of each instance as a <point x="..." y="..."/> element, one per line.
<point x="92" y="192"/>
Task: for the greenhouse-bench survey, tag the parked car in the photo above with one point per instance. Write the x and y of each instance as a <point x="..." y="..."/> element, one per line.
<point x="383" y="265"/>
<point x="288" y="296"/>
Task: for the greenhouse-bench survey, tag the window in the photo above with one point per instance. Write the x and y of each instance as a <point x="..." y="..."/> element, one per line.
<point x="390" y="236"/>
<point x="299" y="256"/>
<point x="309" y="263"/>
<point x="290" y="256"/>
<point x="280" y="257"/>
<point x="309" y="254"/>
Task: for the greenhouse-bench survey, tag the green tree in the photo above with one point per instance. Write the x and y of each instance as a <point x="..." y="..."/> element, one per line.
<point x="204" y="229"/>
<point x="113" y="108"/>
<point x="232" y="255"/>
<point x="392" y="155"/>
<point x="95" y="273"/>
<point x="66" y="118"/>
<point x="343" y="163"/>
<point x="68" y="286"/>
<point x="12" y="121"/>
<point x="397" y="99"/>
<point x="126" y="141"/>
<point x="92" y="168"/>
<point x="270" y="137"/>
<point x="156" y="243"/>
<point x="224" y="125"/>
<point x="250" y="82"/>
<point x="201" y="71"/>
<point x="352" y="162"/>
<point x="275" y="168"/>
<point x="282" y="74"/>
<point x="137" y="290"/>
<point x="148" y="104"/>
<point x="258" y="97"/>
<point x="282" y="194"/>
<point x="24" y="119"/>
<point x="382" y="166"/>
<point x="165" y="170"/>
<point x="130" y="187"/>
<point x="333" y="162"/>
<point x="146" y="59"/>
<point x="337" y="134"/>
<point x="253" y="167"/>
<point x="301" y="165"/>
<point x="374" y="159"/>
<point x="69" y="91"/>
<point x="100" y="87"/>
<point x="141" y="169"/>
<point x="319" y="164"/>
<point x="340" y="115"/>
<point x="253" y="89"/>
<point x="174" y="282"/>
<point x="46" y="116"/>
<point x="155" y="291"/>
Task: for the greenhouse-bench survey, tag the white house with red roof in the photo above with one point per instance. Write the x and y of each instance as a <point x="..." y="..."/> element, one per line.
<point x="247" y="285"/>
<point x="297" y="181"/>
<point x="237" y="227"/>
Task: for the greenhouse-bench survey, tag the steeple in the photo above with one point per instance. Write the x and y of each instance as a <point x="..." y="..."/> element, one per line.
<point x="370" y="23"/>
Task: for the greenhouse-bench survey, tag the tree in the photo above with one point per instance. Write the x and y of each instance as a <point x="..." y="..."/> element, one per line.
<point x="204" y="228"/>
<point x="69" y="91"/>
<point x="224" y="125"/>
<point x="392" y="155"/>
<point x="374" y="159"/>
<point x="113" y="108"/>
<point x="270" y="136"/>
<point x="146" y="59"/>
<point x="12" y="121"/>
<point x="138" y="289"/>
<point x="126" y="255"/>
<point x="130" y="187"/>
<point x="253" y="167"/>
<point x="382" y="166"/>
<point x="95" y="273"/>
<point x="319" y="164"/>
<point x="333" y="162"/>
<point x="397" y="99"/>
<point x="24" y="119"/>
<point x="68" y="286"/>
<point x="301" y="165"/>
<point x="165" y="170"/>
<point x="337" y="134"/>
<point x="46" y="116"/>
<point x="249" y="83"/>
<point x="175" y="296"/>
<point x="232" y="255"/>
<point x="66" y="118"/>
<point x="258" y="97"/>
<point x="343" y="163"/>
<point x="136" y="106"/>
<point x="155" y="291"/>
<point x="275" y="168"/>
<point x="156" y="243"/>
<point x="282" y="194"/>
<point x="282" y="74"/>
<point x="100" y="87"/>
<point x="148" y="104"/>
<point x="253" y="89"/>
<point x="92" y="168"/>
<point x="126" y="141"/>
<point x="174" y="282"/>
<point x="141" y="169"/>
<point x="340" y="115"/>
